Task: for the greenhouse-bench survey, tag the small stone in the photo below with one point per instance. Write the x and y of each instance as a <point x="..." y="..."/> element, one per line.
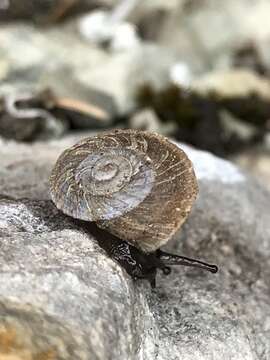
<point x="234" y="126"/>
<point x="233" y="83"/>
<point x="99" y="27"/>
<point x="27" y="122"/>
<point x="147" y="119"/>
<point x="180" y="75"/>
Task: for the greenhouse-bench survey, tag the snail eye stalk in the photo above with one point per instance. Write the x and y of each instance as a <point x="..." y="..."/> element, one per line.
<point x="171" y="259"/>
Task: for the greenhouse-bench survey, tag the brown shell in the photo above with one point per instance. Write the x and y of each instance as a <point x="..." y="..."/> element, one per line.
<point x="135" y="184"/>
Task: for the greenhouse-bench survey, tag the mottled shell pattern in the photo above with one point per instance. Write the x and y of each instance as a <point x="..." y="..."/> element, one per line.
<point x="135" y="184"/>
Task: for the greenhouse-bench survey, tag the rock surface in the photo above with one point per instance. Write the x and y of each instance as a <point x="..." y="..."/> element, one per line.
<point x="61" y="297"/>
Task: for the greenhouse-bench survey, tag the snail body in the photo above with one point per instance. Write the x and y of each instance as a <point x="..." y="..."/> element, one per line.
<point x="137" y="185"/>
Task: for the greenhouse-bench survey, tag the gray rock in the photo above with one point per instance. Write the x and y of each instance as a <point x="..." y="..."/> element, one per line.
<point x="60" y="295"/>
<point x="110" y="27"/>
<point x="152" y="16"/>
<point x="121" y="75"/>
<point x="117" y="26"/>
<point x="29" y="122"/>
<point x="204" y="39"/>
<point x="47" y="63"/>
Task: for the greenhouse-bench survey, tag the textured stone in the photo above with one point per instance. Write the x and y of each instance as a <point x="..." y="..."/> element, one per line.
<point x="61" y="296"/>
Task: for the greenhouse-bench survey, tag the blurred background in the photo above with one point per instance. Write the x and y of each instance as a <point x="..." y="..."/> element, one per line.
<point x="195" y="70"/>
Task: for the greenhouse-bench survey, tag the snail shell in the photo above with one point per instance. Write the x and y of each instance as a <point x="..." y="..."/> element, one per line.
<point x="135" y="184"/>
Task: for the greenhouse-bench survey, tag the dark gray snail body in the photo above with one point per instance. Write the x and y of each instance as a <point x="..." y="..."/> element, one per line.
<point x="135" y="184"/>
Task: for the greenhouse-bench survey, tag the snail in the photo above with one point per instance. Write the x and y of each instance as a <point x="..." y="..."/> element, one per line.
<point x="136" y="185"/>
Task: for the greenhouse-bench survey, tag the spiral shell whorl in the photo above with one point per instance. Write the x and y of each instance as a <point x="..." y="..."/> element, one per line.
<point x="100" y="178"/>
